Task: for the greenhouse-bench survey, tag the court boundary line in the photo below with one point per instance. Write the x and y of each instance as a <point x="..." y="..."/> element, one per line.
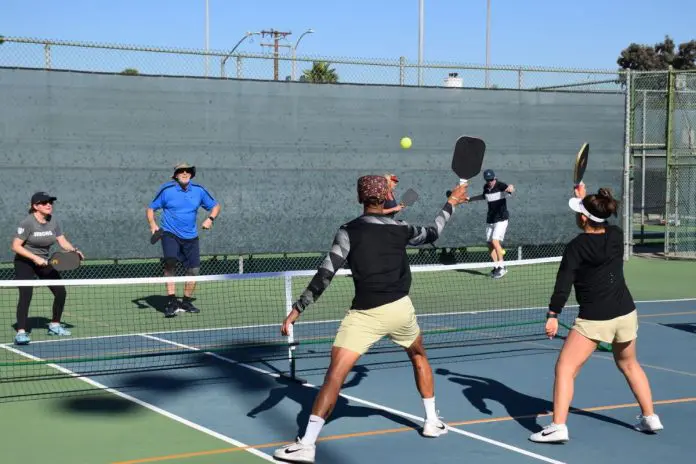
<point x="241" y="327"/>
<point x="378" y="432"/>
<point x="149" y="406"/>
<point x="329" y="321"/>
<point x="599" y="355"/>
<point x="369" y="403"/>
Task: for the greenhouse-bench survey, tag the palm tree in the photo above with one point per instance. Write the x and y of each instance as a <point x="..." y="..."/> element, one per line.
<point x="320" y="73"/>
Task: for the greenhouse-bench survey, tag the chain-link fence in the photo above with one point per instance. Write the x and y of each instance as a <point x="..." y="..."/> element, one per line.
<point x="285" y="66"/>
<point x="663" y="183"/>
<point x="649" y="150"/>
<point x="680" y="217"/>
<point x="543" y="88"/>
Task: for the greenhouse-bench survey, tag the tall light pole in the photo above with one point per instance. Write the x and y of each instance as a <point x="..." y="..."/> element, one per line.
<point x="488" y="40"/>
<point x="294" y="49"/>
<point x="420" y="41"/>
<point x="224" y="60"/>
<point x="207" y="39"/>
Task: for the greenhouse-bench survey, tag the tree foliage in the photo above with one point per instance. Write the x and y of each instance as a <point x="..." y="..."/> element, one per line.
<point x="660" y="56"/>
<point x="321" y="72"/>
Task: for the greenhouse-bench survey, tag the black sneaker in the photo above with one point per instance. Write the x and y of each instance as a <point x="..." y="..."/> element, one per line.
<point x="187" y="306"/>
<point x="171" y="308"/>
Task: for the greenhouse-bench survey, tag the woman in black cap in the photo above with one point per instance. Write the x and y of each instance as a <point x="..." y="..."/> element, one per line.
<point x="35" y="235"/>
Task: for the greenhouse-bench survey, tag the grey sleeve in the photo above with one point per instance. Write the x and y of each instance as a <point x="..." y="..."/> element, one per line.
<point x="24" y="230"/>
<point x="334" y="260"/>
<point x="57" y="229"/>
<point x="419" y="235"/>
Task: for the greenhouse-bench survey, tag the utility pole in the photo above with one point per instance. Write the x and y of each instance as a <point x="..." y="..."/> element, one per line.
<point x="277" y="35"/>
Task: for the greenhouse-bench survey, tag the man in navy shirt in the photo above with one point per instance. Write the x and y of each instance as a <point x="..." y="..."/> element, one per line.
<point x="179" y="200"/>
<point x="494" y="192"/>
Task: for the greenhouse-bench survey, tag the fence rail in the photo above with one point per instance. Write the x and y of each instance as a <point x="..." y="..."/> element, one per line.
<point x="118" y="58"/>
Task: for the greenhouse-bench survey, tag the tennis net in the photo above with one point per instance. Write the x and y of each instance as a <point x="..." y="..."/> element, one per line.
<point x="119" y="325"/>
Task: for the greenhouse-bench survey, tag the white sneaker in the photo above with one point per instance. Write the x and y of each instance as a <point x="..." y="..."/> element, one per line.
<point x="296" y="452"/>
<point x="500" y="273"/>
<point x="552" y="433"/>
<point x="433" y="429"/>
<point x="648" y="423"/>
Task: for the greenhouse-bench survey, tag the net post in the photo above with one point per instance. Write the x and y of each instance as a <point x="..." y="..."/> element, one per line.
<point x="292" y="372"/>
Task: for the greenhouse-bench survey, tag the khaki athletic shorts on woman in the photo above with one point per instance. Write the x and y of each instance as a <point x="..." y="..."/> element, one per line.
<point x="621" y="329"/>
<point x="360" y="329"/>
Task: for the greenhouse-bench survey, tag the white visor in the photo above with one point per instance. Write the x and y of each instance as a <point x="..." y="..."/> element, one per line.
<point x="577" y="206"/>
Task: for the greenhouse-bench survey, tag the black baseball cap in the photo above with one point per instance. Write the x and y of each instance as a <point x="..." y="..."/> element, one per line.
<point x="40" y="197"/>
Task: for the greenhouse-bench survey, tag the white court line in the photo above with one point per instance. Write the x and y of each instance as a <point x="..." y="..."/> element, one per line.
<point x="263" y="326"/>
<point x="149" y="406"/>
<point x="371" y="404"/>
<point x="329" y="321"/>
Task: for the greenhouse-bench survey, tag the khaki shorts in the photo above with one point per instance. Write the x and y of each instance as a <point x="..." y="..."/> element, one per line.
<point x="618" y="330"/>
<point x="360" y="329"/>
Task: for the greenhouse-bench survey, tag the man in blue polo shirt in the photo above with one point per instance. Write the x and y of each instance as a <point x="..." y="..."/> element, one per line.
<point x="179" y="200"/>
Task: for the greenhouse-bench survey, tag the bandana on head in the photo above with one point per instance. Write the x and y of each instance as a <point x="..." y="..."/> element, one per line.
<point x="372" y="187"/>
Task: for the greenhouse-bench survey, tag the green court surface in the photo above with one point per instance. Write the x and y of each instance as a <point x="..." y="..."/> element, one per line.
<point x="63" y="432"/>
<point x="51" y="432"/>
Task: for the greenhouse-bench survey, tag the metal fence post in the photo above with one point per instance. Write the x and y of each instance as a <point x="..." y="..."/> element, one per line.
<point x="47" y="55"/>
<point x="668" y="158"/>
<point x="402" y="63"/>
<point x="628" y="235"/>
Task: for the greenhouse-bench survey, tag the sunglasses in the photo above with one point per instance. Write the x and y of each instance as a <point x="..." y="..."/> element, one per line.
<point x="44" y="203"/>
<point x="188" y="171"/>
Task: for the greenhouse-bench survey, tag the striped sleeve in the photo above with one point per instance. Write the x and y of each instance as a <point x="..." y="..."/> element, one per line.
<point x="420" y="235"/>
<point x="335" y="259"/>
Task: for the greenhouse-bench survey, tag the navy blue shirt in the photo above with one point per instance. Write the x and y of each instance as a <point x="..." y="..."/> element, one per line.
<point x="180" y="207"/>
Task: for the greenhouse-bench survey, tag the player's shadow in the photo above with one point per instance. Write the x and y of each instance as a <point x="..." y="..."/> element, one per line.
<point x="476" y="272"/>
<point x="161" y="384"/>
<point x="98" y="405"/>
<point x="305" y="398"/>
<point x="688" y="327"/>
<point x="524" y="409"/>
<point x="156" y="302"/>
<point x="40" y="322"/>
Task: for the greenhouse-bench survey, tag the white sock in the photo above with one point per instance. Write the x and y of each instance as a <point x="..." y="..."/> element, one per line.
<point x="313" y="428"/>
<point x="430" y="412"/>
<point x="501" y="263"/>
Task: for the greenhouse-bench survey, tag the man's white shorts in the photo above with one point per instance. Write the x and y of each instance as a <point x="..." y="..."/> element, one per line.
<point x="496" y="231"/>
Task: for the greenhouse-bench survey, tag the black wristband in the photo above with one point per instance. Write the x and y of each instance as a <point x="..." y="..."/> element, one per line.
<point x="551" y="315"/>
<point x="211" y="218"/>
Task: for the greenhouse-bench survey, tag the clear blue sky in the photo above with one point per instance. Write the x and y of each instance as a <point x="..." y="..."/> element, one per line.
<point x="561" y="33"/>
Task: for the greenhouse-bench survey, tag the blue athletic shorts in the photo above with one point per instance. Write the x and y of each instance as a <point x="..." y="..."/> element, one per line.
<point x="186" y="251"/>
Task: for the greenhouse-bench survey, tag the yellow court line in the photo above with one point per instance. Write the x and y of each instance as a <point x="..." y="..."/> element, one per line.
<point x="373" y="433"/>
<point x="681" y="313"/>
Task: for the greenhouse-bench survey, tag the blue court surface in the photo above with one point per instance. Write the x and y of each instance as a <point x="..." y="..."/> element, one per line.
<point x="492" y="395"/>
